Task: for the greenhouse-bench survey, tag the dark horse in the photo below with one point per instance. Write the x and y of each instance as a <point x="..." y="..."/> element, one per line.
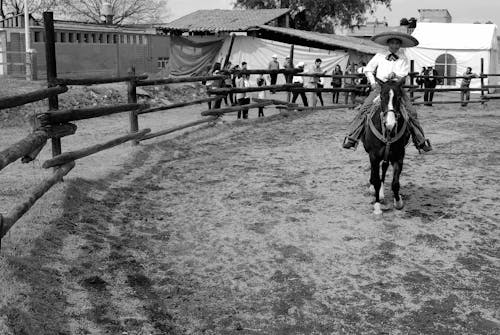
<point x="385" y="138"/>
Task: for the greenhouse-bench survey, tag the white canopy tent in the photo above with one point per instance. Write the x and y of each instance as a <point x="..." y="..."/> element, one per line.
<point x="258" y="53"/>
<point x="451" y="47"/>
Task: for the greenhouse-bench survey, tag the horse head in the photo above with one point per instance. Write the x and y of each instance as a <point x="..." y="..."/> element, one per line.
<point x="390" y="102"/>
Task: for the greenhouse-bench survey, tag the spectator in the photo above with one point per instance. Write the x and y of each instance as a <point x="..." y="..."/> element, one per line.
<point x="316" y="82"/>
<point x="465" y="94"/>
<point x="262" y="94"/>
<point x="430" y="81"/>
<point x="242" y="98"/>
<point x="363" y="81"/>
<point x="420" y="78"/>
<point x="288" y="65"/>
<point x="350" y="83"/>
<point x="336" y="83"/>
<point x="215" y="84"/>
<point x="298" y="79"/>
<point x="228" y="83"/>
<point x="273" y="65"/>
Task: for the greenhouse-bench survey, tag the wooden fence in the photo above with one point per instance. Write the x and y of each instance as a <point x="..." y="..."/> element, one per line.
<point x="55" y="124"/>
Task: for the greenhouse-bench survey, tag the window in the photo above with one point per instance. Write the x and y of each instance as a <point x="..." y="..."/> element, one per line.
<point x="92" y="38"/>
<point x="101" y="38"/>
<point x="115" y="38"/>
<point x="71" y="37"/>
<point x="122" y="39"/>
<point x="37" y="36"/>
<point x="63" y="38"/>
<point x="162" y="62"/>
<point x="108" y="38"/>
<point x="140" y="39"/>
<point x="79" y="37"/>
<point x="134" y="41"/>
<point x="86" y="38"/>
<point x="446" y="65"/>
<point x="128" y="39"/>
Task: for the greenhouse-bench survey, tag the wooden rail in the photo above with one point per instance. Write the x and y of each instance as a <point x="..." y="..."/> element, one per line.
<point x="23" y="99"/>
<point x="174" y="129"/>
<point x="22" y="148"/>
<point x="154" y="82"/>
<point x="98" y="80"/>
<point x="177" y="105"/>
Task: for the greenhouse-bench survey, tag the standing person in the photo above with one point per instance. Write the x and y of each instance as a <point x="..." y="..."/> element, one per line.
<point x="243" y="80"/>
<point x="262" y="94"/>
<point x="316" y="82"/>
<point x="298" y="79"/>
<point x="228" y="83"/>
<point x="215" y="84"/>
<point x="465" y="94"/>
<point x="385" y="66"/>
<point x="420" y="79"/>
<point x="336" y="83"/>
<point x="288" y="65"/>
<point x="430" y="81"/>
<point x="363" y="80"/>
<point x="350" y="83"/>
<point x="273" y="65"/>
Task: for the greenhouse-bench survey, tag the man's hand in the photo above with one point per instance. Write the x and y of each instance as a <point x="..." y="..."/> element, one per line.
<point x="373" y="85"/>
<point x="391" y="76"/>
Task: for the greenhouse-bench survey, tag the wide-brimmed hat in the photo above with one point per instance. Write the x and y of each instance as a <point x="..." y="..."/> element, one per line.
<point x="407" y="41"/>
<point x="300" y="64"/>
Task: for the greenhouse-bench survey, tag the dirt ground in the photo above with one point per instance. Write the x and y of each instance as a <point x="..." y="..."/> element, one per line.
<point x="262" y="226"/>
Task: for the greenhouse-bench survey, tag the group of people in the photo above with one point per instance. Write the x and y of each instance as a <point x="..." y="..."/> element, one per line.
<point x="429" y="79"/>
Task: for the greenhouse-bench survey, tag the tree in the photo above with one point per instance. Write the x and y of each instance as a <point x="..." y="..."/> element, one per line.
<point x="125" y="11"/>
<point x="320" y="15"/>
<point x="17" y="6"/>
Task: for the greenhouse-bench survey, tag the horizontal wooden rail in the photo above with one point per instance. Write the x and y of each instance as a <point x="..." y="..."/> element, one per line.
<point x="177" y="80"/>
<point x="448" y="102"/>
<point x="171" y="130"/>
<point x="23" y="148"/>
<point x="12" y="217"/>
<point x="285" y="87"/>
<point x="94" y="81"/>
<point x="74" y="155"/>
<point x="275" y="101"/>
<point x="64" y="116"/>
<point x="333" y="89"/>
<point x="177" y="105"/>
<point x="491" y="86"/>
<point x="340" y="106"/>
<point x="22" y="99"/>
<point x="416" y="75"/>
<point x="491" y="97"/>
<point x="446" y="89"/>
<point x="237" y="108"/>
<point x="262" y="71"/>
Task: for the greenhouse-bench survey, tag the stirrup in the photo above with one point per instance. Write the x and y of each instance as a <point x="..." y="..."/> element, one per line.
<point x="425" y="146"/>
<point x="349" y="143"/>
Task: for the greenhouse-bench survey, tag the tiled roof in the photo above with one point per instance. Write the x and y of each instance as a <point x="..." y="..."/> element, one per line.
<point x="219" y="20"/>
<point x="337" y="41"/>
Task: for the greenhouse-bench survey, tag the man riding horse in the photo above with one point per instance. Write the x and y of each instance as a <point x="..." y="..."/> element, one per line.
<point x="388" y="66"/>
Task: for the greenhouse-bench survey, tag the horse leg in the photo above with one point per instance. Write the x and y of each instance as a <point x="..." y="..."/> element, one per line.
<point x="385" y="166"/>
<point x="375" y="181"/>
<point x="398" y="200"/>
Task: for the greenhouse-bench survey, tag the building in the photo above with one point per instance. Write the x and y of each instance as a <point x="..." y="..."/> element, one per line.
<point x="201" y="38"/>
<point x="434" y="15"/>
<point x="83" y="49"/>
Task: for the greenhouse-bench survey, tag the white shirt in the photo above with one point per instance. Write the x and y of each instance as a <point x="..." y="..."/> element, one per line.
<point x="298" y="79"/>
<point x="383" y="67"/>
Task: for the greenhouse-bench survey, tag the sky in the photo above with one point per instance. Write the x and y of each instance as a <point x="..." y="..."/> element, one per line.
<point x="462" y="11"/>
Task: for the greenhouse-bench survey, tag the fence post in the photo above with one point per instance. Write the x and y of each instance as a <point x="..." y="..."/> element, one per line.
<point x="412" y="76"/>
<point x="132" y="98"/>
<point x="50" y="59"/>
<point x="482" y="81"/>
<point x="289" y="77"/>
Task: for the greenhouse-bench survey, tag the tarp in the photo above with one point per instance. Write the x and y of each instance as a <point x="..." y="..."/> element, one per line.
<point x="191" y="56"/>
<point x="258" y="53"/>
<point x="465" y="43"/>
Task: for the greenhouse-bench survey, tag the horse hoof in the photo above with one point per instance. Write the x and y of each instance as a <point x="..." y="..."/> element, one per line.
<point x="377" y="209"/>
<point x="398" y="204"/>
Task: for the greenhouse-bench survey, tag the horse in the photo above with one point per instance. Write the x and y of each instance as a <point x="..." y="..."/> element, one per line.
<point x="385" y="138"/>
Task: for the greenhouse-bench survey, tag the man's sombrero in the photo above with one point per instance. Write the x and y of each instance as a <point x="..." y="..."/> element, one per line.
<point x="407" y="41"/>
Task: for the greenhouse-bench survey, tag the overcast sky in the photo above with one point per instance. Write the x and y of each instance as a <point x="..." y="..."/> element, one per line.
<point x="460" y="10"/>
